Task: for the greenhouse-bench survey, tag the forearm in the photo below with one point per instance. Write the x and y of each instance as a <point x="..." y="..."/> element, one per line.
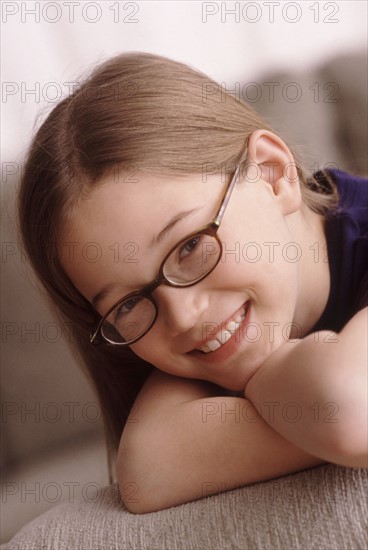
<point x="314" y="393"/>
<point x="178" y="452"/>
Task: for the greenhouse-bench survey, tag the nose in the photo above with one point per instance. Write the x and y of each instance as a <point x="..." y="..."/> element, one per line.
<point x="180" y="308"/>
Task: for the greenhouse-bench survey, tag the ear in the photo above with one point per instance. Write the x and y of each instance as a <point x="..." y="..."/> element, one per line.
<point x="276" y="167"/>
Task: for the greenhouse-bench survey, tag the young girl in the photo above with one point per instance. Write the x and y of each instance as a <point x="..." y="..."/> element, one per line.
<point x="217" y="290"/>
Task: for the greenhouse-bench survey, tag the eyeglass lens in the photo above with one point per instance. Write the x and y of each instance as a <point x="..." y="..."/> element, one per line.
<point x="189" y="262"/>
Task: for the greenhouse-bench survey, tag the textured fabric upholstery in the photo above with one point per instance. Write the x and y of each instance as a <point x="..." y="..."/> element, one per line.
<point x="321" y="508"/>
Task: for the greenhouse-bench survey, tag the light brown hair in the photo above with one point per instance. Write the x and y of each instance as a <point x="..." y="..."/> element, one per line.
<point x="135" y="109"/>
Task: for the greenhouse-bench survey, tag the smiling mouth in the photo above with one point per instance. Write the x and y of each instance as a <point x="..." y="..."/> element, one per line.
<point x="225" y="333"/>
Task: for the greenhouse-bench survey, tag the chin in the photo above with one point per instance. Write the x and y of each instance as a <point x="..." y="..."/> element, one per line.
<point x="239" y="375"/>
<point x="236" y="381"/>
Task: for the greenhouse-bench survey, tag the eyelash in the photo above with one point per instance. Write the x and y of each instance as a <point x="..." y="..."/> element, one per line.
<point x="196" y="238"/>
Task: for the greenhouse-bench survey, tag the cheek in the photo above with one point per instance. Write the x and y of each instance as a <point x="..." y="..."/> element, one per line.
<point x="151" y="347"/>
<point x="261" y="270"/>
<point x="155" y="349"/>
<point x="264" y="247"/>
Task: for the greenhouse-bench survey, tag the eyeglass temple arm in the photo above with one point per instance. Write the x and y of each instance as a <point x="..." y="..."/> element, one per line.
<point x="94" y="338"/>
<point x="221" y="210"/>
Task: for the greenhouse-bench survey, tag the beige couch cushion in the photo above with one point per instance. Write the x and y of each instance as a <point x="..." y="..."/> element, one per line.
<point x="322" y="508"/>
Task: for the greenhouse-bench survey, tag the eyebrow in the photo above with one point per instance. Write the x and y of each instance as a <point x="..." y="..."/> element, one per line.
<point x="99" y="298"/>
<point x="171" y="224"/>
<point x="96" y="300"/>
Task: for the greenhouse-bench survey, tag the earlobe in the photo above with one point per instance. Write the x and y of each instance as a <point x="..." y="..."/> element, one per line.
<point x="276" y="167"/>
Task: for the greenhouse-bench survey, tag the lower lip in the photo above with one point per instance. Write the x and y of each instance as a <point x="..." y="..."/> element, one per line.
<point x="226" y="350"/>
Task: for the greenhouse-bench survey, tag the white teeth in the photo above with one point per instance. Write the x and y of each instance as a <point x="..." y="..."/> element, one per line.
<point x="232" y="327"/>
<point x="213" y="345"/>
<point x="223" y="335"/>
<point x="205" y="348"/>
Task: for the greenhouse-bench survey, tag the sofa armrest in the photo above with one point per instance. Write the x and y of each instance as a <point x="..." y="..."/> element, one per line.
<point x="325" y="507"/>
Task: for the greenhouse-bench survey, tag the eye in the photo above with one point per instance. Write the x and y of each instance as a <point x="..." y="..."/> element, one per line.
<point x="126" y="307"/>
<point x="189" y="246"/>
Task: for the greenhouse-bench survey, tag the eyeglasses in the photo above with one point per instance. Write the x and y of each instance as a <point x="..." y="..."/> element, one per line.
<point x="190" y="261"/>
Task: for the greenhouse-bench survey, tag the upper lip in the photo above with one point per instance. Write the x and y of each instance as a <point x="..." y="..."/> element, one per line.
<point x="210" y="336"/>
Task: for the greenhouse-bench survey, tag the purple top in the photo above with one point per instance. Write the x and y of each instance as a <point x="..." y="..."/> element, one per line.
<point x="347" y="247"/>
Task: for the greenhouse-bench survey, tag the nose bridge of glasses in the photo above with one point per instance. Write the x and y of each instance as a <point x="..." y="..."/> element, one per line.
<point x="159" y="280"/>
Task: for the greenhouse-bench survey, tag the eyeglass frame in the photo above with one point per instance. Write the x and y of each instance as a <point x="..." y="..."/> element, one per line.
<point x="211" y="229"/>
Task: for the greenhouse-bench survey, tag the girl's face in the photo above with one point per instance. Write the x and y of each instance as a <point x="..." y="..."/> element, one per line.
<point x="109" y="243"/>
